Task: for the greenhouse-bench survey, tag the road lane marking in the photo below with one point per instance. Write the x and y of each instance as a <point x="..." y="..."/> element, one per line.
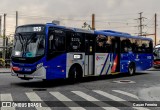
<point x="34" y="97"/>
<point x="85" y="96"/>
<point x="63" y="98"/>
<point x="126" y="93"/>
<point x="92" y="99"/>
<point x="115" y="98"/>
<point x="6" y="97"/>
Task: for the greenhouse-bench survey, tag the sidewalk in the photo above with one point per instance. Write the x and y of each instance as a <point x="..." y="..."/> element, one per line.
<point x="5" y="70"/>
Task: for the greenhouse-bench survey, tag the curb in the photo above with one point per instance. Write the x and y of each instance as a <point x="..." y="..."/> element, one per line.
<point x="4" y="72"/>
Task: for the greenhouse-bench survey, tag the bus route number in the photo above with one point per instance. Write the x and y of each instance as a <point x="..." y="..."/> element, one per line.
<point x="37" y="29"/>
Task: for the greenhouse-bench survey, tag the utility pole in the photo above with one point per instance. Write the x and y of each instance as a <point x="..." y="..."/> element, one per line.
<point x="140" y="20"/>
<point x="4" y="36"/>
<point x="16" y="19"/>
<point x="140" y="26"/>
<point x="0" y="25"/>
<point x="155" y="29"/>
<point x="93" y="21"/>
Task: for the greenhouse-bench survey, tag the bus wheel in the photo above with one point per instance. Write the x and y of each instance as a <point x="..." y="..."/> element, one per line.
<point x="75" y="75"/>
<point x="131" y="69"/>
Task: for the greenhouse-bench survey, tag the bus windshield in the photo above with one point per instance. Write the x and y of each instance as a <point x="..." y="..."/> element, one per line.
<point x="28" y="45"/>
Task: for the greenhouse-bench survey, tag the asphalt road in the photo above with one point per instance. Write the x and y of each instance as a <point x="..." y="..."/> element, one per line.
<point x="91" y="93"/>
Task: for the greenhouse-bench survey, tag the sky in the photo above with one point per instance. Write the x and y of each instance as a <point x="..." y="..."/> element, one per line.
<point x="118" y="15"/>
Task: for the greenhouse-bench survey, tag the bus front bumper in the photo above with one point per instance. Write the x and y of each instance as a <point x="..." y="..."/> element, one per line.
<point x="38" y="74"/>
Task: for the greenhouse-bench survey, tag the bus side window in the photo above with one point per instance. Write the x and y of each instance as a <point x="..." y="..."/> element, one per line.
<point x="50" y="40"/>
<point x="107" y="44"/>
<point x="57" y="40"/>
<point x="76" y="42"/>
<point x="150" y="47"/>
<point x="123" y="45"/>
<point x="100" y="44"/>
<point x="134" y="46"/>
<point x="145" y="46"/>
<point x="139" y="44"/>
<point x="126" y="45"/>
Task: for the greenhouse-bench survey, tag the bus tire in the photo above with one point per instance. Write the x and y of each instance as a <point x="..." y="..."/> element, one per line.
<point x="131" y="69"/>
<point x="75" y="74"/>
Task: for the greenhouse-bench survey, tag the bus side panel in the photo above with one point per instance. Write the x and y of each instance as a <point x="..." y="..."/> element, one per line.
<point x="142" y="61"/>
<point x="145" y="62"/>
<point x="103" y="63"/>
<point x="56" y="67"/>
<point x="71" y="61"/>
<point x="124" y="62"/>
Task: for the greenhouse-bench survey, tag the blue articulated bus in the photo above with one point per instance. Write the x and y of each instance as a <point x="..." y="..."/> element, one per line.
<point x="48" y="51"/>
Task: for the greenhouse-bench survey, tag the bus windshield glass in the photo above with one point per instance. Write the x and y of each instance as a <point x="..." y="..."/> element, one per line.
<point x="28" y="45"/>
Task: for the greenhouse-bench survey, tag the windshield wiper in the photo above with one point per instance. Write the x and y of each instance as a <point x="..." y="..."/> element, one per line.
<point x="31" y="38"/>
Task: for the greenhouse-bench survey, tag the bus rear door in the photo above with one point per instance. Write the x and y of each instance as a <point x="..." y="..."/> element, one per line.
<point x="116" y="55"/>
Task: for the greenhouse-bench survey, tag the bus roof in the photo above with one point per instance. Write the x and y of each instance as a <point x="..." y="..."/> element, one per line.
<point x="103" y="32"/>
<point x="119" y="34"/>
<point x="71" y="28"/>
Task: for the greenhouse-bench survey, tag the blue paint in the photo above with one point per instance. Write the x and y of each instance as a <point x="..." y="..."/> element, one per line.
<point x="142" y="62"/>
<point x="55" y="67"/>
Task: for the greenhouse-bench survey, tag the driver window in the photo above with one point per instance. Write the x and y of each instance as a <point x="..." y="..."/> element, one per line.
<point x="57" y="40"/>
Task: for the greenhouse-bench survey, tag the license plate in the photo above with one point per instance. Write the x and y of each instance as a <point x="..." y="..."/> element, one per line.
<point x="20" y="75"/>
<point x="27" y="69"/>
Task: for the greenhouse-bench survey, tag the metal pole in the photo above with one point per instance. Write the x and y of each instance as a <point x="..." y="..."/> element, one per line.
<point x="93" y="21"/>
<point x="16" y="19"/>
<point x="0" y="25"/>
<point x="155" y="29"/>
<point x="4" y="36"/>
<point x="140" y="23"/>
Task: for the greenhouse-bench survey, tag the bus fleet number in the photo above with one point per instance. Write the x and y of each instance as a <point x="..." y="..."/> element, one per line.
<point x="36" y="29"/>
